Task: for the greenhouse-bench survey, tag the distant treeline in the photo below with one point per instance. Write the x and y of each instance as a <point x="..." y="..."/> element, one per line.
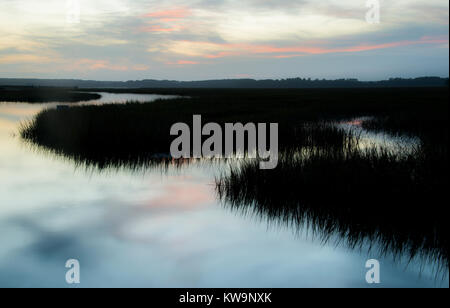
<point x="291" y="83"/>
<point x="44" y="95"/>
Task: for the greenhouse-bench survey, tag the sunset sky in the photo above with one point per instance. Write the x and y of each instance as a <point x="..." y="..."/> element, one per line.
<point x="207" y="39"/>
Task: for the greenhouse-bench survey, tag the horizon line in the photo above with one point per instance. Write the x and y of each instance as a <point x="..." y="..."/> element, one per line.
<point x="226" y="79"/>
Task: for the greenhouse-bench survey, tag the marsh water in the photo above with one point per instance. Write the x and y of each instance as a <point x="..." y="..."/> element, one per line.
<point x="149" y="228"/>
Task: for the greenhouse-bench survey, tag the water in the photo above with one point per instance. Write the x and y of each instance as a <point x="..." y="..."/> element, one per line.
<point x="155" y="229"/>
<point x="379" y="140"/>
<point x="121" y="98"/>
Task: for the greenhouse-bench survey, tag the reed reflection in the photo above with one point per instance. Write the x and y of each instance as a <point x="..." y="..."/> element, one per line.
<point x="381" y="194"/>
<point x="387" y="200"/>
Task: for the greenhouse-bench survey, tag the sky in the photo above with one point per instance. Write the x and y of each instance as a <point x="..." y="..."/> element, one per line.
<point x="215" y="39"/>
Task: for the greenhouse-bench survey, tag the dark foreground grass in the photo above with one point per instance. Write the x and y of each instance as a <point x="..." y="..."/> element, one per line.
<point x="314" y="103"/>
<point x="391" y="198"/>
<point x="43" y="95"/>
<point x="105" y="136"/>
<point x="393" y="201"/>
<point x="138" y="130"/>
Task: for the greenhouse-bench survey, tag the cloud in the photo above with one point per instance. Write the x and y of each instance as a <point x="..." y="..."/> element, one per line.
<point x="158" y="28"/>
<point x="219" y="50"/>
<point x="165" y="21"/>
<point x="23" y="58"/>
<point x="95" y="64"/>
<point x="172" y="14"/>
<point x="91" y="64"/>
<point x="183" y="62"/>
<point x="122" y="35"/>
<point x="140" y="67"/>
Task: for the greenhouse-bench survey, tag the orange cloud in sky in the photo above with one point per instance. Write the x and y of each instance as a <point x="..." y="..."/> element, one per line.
<point x="222" y="54"/>
<point x="393" y="44"/>
<point x="68" y="64"/>
<point x="183" y="62"/>
<point x="171" y="14"/>
<point x="106" y="65"/>
<point x="219" y="50"/>
<point x="23" y="58"/>
<point x="186" y="62"/>
<point x="158" y="28"/>
<point x="142" y="67"/>
<point x="288" y="56"/>
<point x="322" y="50"/>
<point x="93" y="65"/>
<point x="168" y="18"/>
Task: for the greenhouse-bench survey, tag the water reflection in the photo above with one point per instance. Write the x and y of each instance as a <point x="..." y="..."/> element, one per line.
<point x="153" y="229"/>
<point x="381" y="141"/>
<point x="373" y="221"/>
<point x="122" y="98"/>
<point x="387" y="200"/>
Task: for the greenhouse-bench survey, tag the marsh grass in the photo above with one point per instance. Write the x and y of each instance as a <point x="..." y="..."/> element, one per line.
<point x="137" y="133"/>
<point x="117" y="132"/>
<point x="392" y="199"/>
<point x="325" y="178"/>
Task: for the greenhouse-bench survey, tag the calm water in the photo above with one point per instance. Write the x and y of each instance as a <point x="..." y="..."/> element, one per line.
<point x="120" y="98"/>
<point x="155" y="229"/>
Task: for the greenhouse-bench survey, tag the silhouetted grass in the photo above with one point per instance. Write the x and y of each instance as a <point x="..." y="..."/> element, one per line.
<point x="313" y="104"/>
<point x="141" y="130"/>
<point x="324" y="177"/>
<point x="393" y="199"/>
<point x="431" y="128"/>
<point x="44" y="95"/>
<point x="105" y="136"/>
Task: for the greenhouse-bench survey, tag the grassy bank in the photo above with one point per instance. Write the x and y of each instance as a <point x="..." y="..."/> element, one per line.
<point x="138" y="130"/>
<point x="133" y="134"/>
<point x="43" y="95"/>
<point x="395" y="200"/>
<point x="338" y="188"/>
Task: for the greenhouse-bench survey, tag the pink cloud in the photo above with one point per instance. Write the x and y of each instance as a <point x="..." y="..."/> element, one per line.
<point x="183" y="62"/>
<point x="366" y="47"/>
<point x="358" y="48"/>
<point x="221" y="50"/>
<point x="23" y="58"/>
<point x="93" y="65"/>
<point x="222" y="54"/>
<point x="170" y="15"/>
<point x="158" y="28"/>
<point x="165" y="21"/>
<point x="288" y="56"/>
<point x="140" y="67"/>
